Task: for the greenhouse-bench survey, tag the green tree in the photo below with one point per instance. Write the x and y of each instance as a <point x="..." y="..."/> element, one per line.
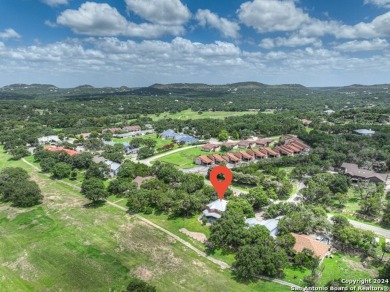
<point x="16" y="188"/>
<point x="257" y="197"/>
<point x="19" y="152"/>
<point x="137" y="285"/>
<point x="61" y="170"/>
<point x="223" y="135"/>
<point x="26" y="194"/>
<point x="385" y="272"/>
<point x="93" y="189"/>
<point x="254" y="260"/>
<point x="145" y="152"/>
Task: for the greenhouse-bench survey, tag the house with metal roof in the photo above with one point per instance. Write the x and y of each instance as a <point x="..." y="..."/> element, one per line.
<point x="329" y="112"/>
<point x="168" y="134"/>
<point x="214" y="209"/>
<point x="270" y="224"/>
<point x="365" y="132"/>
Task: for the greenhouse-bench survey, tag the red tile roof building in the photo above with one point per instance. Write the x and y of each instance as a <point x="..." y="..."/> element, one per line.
<point x="70" y="152"/>
<point x="320" y="249"/>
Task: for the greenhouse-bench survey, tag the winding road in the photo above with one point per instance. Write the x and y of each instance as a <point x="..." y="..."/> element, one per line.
<point x="220" y="263"/>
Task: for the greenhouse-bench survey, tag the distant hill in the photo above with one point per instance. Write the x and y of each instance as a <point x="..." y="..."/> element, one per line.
<point x="48" y="91"/>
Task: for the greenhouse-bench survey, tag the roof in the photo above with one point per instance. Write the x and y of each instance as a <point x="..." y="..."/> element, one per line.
<point x="230" y="144"/>
<point x="270" y="224"/>
<point x="365" y="131"/>
<point x="246" y="155"/>
<point x="245" y="143"/>
<point x="168" y="133"/>
<point x="329" y="111"/>
<point x="263" y="141"/>
<point x="218" y="157"/>
<point x="112" y="165"/>
<point x="232" y="157"/>
<point x="70" y="152"/>
<point x="98" y="159"/>
<point x="304" y="241"/>
<point x="54" y="138"/>
<point x="215" y="208"/>
<point x="185" y="138"/>
<point x="354" y="170"/>
<point x="219" y="205"/>
<point x="270" y="151"/>
<point x="210" y="146"/>
<point x="306" y="122"/>
<point x="252" y="222"/>
<point x="132" y="128"/>
<point x="258" y="153"/>
<point x="205" y="159"/>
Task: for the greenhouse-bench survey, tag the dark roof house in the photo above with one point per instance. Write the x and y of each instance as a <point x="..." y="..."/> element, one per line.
<point x="355" y="172"/>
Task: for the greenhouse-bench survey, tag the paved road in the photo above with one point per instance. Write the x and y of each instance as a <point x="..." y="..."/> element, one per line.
<point x="377" y="230"/>
<point x="236" y="191"/>
<point x="220" y="263"/>
<point x="148" y="161"/>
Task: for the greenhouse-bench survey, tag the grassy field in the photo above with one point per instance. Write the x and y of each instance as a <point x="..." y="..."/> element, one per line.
<point x="185" y="158"/>
<point x="65" y="245"/>
<point x="191" y="115"/>
<point x="344" y="267"/>
<point x="160" y="142"/>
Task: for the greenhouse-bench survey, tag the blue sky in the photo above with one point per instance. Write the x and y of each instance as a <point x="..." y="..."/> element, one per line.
<point x="141" y="42"/>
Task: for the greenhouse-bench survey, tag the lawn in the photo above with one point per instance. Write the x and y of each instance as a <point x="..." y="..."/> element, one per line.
<point x="185" y="158"/>
<point x="160" y="142"/>
<point x="191" y="115"/>
<point x="344" y="267"/>
<point x="65" y="245"/>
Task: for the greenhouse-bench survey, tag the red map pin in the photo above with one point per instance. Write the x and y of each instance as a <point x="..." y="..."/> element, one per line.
<point x="221" y="185"/>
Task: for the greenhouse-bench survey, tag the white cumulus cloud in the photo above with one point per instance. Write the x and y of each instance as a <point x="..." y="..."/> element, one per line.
<point x="9" y="33"/>
<point x="364" y="45"/>
<point x="165" y="12"/>
<point x="272" y="15"/>
<point x="292" y="41"/>
<point x="207" y="18"/>
<point x="100" y="19"/>
<point x="55" y="2"/>
<point x="379" y="3"/>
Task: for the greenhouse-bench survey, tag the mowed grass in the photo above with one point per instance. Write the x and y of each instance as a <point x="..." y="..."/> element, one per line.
<point x="191" y="115"/>
<point x="344" y="267"/>
<point x="63" y="245"/>
<point x="185" y="158"/>
<point x="160" y="142"/>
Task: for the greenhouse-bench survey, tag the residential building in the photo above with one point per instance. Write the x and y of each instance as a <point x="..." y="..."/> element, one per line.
<point x="203" y="160"/>
<point x="168" y="134"/>
<point x="329" y="112"/>
<point x="214" y="209"/>
<point x="270" y="224"/>
<point x="211" y="147"/>
<point x="48" y="139"/>
<point x="70" y="152"/>
<point x="357" y="174"/>
<point x="365" y="132"/>
<point x="216" y="158"/>
<point x="320" y="249"/>
<point x="231" y="145"/>
<point x="246" y="144"/>
<point x="263" y="142"/>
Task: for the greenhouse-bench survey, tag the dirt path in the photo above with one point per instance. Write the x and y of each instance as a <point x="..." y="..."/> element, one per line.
<point x="220" y="263"/>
